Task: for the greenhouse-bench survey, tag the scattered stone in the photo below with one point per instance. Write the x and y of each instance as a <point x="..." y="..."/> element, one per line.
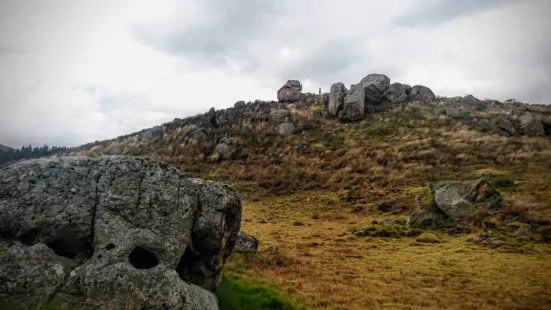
<point x="290" y="91"/>
<point x="285" y="129"/>
<point x="226" y="146"/>
<point x="421" y="93"/>
<point x="245" y="243"/>
<point x="94" y="232"/>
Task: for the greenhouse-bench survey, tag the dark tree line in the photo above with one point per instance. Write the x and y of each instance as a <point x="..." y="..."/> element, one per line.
<point x="29" y="151"/>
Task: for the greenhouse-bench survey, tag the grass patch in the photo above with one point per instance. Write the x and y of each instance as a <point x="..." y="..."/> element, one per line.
<point x="236" y="293"/>
<point x="392" y="231"/>
<point x="428" y="238"/>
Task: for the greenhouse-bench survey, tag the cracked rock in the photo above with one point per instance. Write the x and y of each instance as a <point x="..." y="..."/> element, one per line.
<point x="101" y="232"/>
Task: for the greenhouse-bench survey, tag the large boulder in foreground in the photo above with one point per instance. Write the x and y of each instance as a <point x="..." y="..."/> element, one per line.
<point x="98" y="232"/>
<point x="454" y="202"/>
<point x="290" y="91"/>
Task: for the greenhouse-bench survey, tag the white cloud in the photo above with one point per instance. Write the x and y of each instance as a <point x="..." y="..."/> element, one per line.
<point x="78" y="71"/>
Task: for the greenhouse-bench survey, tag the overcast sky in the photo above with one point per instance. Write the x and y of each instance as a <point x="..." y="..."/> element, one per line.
<point x="76" y="71"/>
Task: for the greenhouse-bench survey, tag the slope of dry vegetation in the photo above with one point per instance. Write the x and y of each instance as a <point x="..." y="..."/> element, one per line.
<point x="305" y="194"/>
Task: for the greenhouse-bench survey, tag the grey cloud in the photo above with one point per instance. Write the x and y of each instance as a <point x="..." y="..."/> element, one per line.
<point x="224" y="32"/>
<point x="442" y="11"/>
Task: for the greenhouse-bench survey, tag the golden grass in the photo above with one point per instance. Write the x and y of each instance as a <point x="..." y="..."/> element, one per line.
<point x="321" y="264"/>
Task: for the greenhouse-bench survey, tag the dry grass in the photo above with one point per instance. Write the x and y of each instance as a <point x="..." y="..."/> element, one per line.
<point x="323" y="265"/>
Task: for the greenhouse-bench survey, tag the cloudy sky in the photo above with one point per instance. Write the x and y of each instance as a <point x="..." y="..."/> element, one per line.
<point x="76" y="71"/>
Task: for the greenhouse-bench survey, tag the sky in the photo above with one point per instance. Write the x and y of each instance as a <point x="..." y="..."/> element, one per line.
<point x="75" y="71"/>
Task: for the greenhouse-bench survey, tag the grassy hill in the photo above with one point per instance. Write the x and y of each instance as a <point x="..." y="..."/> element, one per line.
<point x="4" y="148"/>
<point x="305" y="194"/>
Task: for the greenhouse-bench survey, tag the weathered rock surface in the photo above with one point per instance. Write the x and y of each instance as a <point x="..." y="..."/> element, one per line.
<point x="455" y="202"/>
<point x="353" y="108"/>
<point x="285" y="129"/>
<point x="98" y="231"/>
<point x="397" y="93"/>
<point x="336" y="98"/>
<point x="421" y="93"/>
<point x="530" y="125"/>
<point x="245" y="243"/>
<point x="197" y="136"/>
<point x="289" y="92"/>
<point x="375" y="86"/>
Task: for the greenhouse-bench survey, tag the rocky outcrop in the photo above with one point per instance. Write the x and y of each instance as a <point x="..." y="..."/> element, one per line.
<point x="421" y="93"/>
<point x="290" y="91"/>
<point x="226" y="146"/>
<point x="397" y="93"/>
<point x="353" y="108"/>
<point x="375" y="86"/>
<point x="98" y="232"/>
<point x="455" y="202"/>
<point x="245" y="243"/>
<point x="336" y="99"/>
<point x="530" y="125"/>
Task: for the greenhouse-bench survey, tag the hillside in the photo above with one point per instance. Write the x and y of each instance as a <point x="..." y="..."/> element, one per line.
<point x="314" y="169"/>
<point x="4" y="148"/>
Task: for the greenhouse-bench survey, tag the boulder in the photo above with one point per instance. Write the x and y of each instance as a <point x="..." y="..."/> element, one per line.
<point x="281" y="116"/>
<point x="198" y="135"/>
<point x="546" y="127"/>
<point x="471" y="102"/>
<point x="245" y="243"/>
<point x="97" y="232"/>
<point x="153" y="134"/>
<point x="506" y="126"/>
<point x="531" y="125"/>
<point x="421" y="93"/>
<point x="353" y="108"/>
<point x="336" y="98"/>
<point x="289" y="92"/>
<point x="457" y="113"/>
<point x="397" y="93"/>
<point x="225" y="146"/>
<point x="375" y="86"/>
<point x="455" y="202"/>
<point x="285" y="129"/>
<point x="239" y="104"/>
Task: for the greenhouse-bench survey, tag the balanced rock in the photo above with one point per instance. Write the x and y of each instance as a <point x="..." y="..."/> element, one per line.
<point x="290" y="91"/>
<point x="97" y="232"/>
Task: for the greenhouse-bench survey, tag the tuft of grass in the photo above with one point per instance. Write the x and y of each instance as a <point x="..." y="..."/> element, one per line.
<point x="237" y="293"/>
<point x="427" y="237"/>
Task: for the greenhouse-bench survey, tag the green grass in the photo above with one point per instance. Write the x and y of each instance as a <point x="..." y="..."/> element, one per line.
<point x="236" y="293"/>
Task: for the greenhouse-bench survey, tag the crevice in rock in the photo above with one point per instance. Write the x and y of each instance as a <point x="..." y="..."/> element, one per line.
<point x="142" y="258"/>
<point x="29" y="237"/>
<point x="71" y="247"/>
